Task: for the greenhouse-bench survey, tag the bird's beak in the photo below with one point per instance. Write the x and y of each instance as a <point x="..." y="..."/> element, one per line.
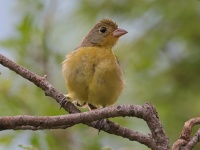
<point x="119" y="32"/>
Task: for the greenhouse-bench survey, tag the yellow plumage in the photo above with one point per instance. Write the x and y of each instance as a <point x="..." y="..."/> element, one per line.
<point x="92" y="73"/>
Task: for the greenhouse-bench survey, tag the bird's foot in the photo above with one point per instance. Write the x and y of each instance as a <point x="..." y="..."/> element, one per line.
<point x="91" y="107"/>
<point x="82" y="105"/>
<point x="63" y="101"/>
<point x="100" y="124"/>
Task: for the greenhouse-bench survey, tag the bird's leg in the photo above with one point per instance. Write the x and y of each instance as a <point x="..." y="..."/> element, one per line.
<point x="100" y="123"/>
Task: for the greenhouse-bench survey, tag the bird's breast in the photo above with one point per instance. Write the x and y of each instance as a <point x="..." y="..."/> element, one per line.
<point x="84" y="61"/>
<point x="90" y="68"/>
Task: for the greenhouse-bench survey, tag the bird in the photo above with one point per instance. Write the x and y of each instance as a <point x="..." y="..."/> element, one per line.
<point x="93" y="76"/>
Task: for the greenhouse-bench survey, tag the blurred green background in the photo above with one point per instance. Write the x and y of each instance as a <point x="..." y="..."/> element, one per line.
<point x="160" y="57"/>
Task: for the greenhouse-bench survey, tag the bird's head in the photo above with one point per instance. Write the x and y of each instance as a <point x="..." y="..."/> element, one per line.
<point x="104" y="34"/>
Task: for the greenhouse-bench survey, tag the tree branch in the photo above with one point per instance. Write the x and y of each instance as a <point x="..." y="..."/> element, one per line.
<point x="156" y="141"/>
<point x="185" y="142"/>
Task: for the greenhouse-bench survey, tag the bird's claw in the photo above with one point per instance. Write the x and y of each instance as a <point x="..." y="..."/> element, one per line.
<point x="63" y="102"/>
<point x="100" y="124"/>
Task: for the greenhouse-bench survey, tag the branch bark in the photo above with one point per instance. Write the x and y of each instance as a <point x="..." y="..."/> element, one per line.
<point x="156" y="140"/>
<point x="185" y="141"/>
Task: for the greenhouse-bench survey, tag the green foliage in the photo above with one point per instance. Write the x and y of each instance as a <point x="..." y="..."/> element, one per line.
<point x="160" y="57"/>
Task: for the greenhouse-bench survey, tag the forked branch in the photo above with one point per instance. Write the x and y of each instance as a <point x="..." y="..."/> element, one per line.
<point x="186" y="141"/>
<point x="157" y="140"/>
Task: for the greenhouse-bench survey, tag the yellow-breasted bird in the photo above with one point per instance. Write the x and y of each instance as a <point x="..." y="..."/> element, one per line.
<point x="92" y="72"/>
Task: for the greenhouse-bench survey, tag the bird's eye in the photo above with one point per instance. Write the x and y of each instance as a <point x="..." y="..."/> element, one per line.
<point x="102" y="29"/>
